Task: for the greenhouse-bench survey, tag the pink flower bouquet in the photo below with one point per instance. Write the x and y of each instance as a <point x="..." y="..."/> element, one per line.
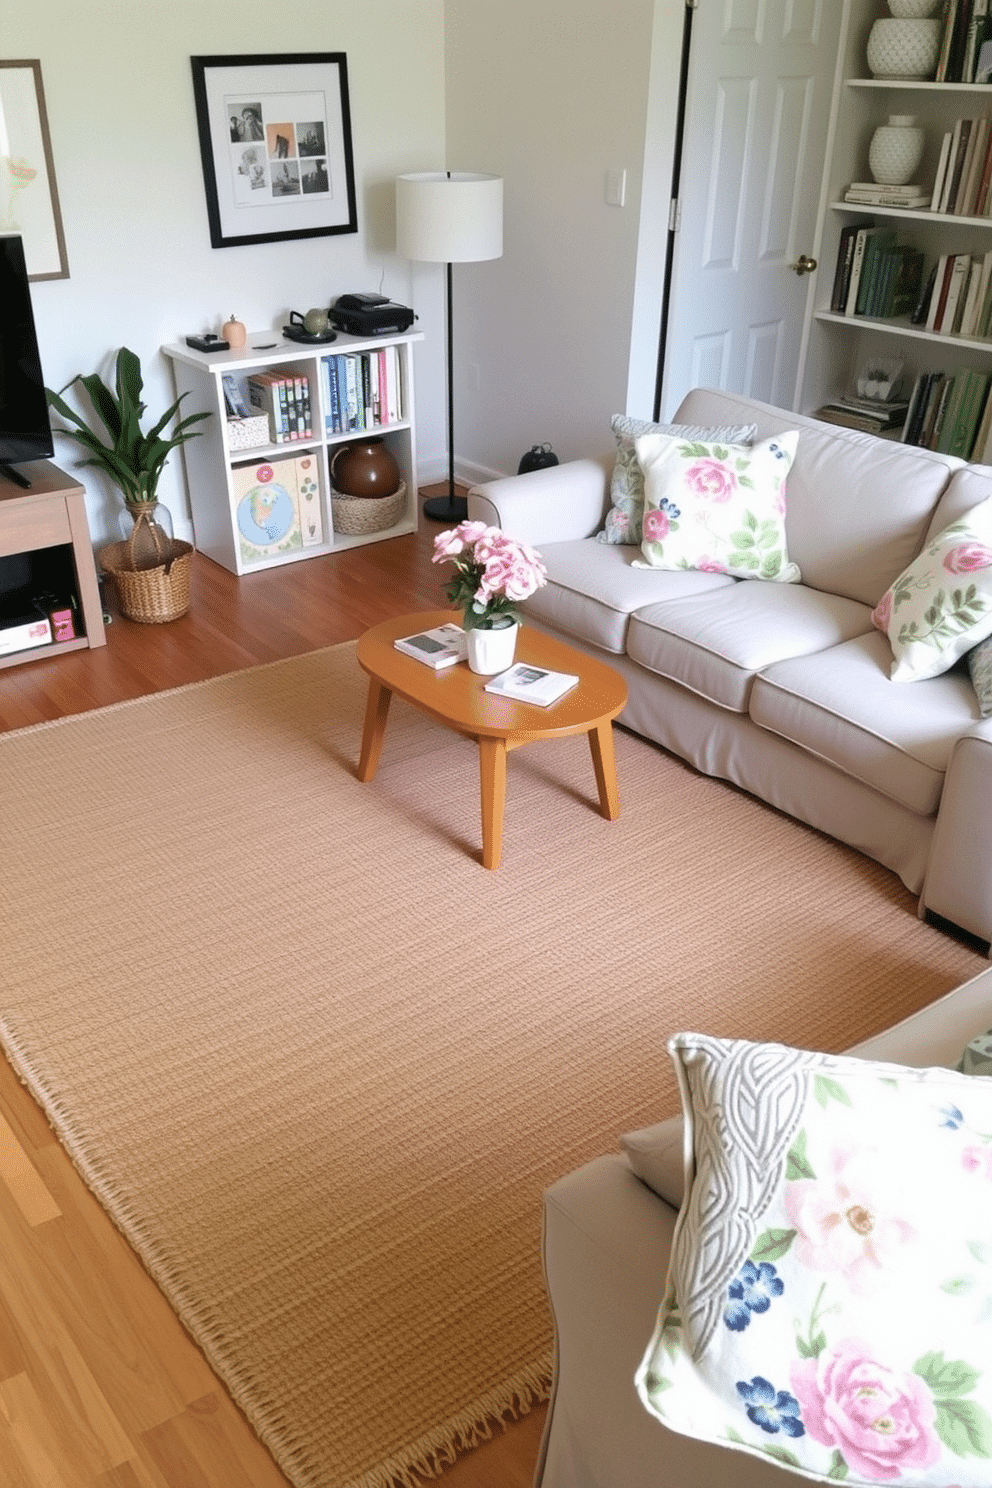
<point x="493" y="573"/>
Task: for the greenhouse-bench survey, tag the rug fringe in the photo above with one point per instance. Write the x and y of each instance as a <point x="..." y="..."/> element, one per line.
<point x="477" y="1423"/>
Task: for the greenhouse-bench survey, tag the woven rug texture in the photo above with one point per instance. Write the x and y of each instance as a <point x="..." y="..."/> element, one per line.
<point x="318" y="1064"/>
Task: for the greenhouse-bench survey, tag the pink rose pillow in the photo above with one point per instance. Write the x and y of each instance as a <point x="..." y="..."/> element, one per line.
<point x="716" y="506"/>
<point x="830" y="1276"/>
<point x="941" y="605"/>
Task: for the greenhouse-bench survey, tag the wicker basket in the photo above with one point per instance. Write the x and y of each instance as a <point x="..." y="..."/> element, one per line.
<point x="355" y="516"/>
<point x="151" y="592"/>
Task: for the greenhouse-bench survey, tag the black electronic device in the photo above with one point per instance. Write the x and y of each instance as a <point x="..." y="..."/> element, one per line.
<point x="369" y="315"/>
<point x="208" y="342"/>
<point x="25" y="429"/>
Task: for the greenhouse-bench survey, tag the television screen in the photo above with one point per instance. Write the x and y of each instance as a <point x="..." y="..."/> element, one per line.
<point x="25" y="430"/>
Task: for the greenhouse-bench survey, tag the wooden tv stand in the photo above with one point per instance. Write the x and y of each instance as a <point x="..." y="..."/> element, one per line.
<point x="52" y="513"/>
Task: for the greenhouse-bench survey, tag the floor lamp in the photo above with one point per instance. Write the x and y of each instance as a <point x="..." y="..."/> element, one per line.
<point x="449" y="217"/>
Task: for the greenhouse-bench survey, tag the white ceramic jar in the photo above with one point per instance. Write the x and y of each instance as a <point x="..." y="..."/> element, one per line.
<point x="896" y="150"/>
<point x="904" y="48"/>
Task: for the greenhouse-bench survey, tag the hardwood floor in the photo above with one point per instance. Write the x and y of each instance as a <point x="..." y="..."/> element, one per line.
<point x="100" y="1385"/>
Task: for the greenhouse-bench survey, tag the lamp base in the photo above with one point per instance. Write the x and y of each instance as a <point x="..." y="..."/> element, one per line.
<point x="446" y="509"/>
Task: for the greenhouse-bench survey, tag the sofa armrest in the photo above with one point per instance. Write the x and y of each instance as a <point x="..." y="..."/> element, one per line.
<point x="958" y="883"/>
<point x="556" y="504"/>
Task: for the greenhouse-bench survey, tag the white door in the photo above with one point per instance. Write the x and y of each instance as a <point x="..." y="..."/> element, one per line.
<point x="758" y="97"/>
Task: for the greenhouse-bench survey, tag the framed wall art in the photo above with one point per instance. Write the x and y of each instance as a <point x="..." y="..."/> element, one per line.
<point x="275" y="140"/>
<point x="29" y="198"/>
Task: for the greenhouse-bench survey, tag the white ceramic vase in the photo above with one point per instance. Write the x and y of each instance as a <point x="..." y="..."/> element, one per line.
<point x="896" y="150"/>
<point x="491" y="651"/>
<point x="913" y="10"/>
<point x="904" y="47"/>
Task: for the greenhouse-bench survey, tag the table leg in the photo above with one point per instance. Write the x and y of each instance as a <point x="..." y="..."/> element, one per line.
<point x="492" y="771"/>
<point x="604" y="764"/>
<point x="376" y="713"/>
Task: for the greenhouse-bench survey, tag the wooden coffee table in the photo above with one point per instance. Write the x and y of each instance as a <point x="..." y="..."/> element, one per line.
<point x="456" y="697"/>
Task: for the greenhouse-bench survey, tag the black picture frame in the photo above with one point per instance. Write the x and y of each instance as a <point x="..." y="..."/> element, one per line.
<point x="275" y="143"/>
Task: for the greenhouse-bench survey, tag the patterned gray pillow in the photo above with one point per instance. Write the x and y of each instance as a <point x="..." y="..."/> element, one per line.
<point x="623" y="520"/>
<point x="980" y="667"/>
<point x="977" y="1056"/>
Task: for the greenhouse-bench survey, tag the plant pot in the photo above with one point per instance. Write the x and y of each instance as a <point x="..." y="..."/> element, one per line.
<point x="491" y="651"/>
<point x="896" y="150"/>
<point x="904" y="48"/>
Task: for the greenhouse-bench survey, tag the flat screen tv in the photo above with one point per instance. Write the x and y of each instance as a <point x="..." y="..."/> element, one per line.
<point x="25" y="430"/>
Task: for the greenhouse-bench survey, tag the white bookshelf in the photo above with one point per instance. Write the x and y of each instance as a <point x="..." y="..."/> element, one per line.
<point x="212" y="466"/>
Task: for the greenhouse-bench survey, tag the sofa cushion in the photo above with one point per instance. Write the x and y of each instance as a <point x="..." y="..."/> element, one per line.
<point x="819" y="1305"/>
<point x="717" y="506"/>
<point x="592" y="589"/>
<point x="714" y="644"/>
<point x="941" y="605"/>
<point x="858" y="506"/>
<point x="623" y="520"/>
<point x="841" y="706"/>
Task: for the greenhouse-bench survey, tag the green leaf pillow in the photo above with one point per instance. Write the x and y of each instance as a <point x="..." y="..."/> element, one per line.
<point x="941" y="605"/>
<point x="829" y="1292"/>
<point x="717" y="507"/>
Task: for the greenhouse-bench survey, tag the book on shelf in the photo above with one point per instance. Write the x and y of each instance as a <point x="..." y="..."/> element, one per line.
<point x="265" y="394"/>
<point x="950" y="414"/>
<point x="869" y="415"/>
<point x="530" y="684"/>
<point x="861" y="240"/>
<point x="234" y="398"/>
<point x="871" y="194"/>
<point x="978" y="32"/>
<point x="940" y="173"/>
<point x="361" y="390"/>
<point x="845" y="258"/>
<point x="438" y="648"/>
<point x="983" y="66"/>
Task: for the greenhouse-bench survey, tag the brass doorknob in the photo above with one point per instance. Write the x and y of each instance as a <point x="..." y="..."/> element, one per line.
<point x="804" y="264"/>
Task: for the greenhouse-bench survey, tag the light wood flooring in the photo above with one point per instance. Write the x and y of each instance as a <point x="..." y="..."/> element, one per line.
<point x="100" y="1385"/>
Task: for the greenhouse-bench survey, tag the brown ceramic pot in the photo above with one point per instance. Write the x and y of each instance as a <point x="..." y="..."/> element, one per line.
<point x="365" y="468"/>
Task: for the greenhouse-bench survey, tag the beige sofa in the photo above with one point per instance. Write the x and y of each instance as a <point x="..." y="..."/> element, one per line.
<point x="784" y="689"/>
<point x="607" y="1233"/>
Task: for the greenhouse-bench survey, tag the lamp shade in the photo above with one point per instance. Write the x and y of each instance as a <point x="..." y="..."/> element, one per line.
<point x="449" y="218"/>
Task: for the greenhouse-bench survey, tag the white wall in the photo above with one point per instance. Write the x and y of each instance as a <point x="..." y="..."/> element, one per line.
<point x="552" y="96"/>
<point x="118" y="88"/>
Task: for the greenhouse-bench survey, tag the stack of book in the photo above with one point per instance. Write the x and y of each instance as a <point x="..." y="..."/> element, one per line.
<point x="966" y="43"/>
<point x="873" y="194"/>
<point x="870" y="415"/>
<point x="362" y="390"/>
<point x="875" y="275"/>
<point x="285" y="398"/>
<point x="962" y="185"/>
<point x="951" y="414"/>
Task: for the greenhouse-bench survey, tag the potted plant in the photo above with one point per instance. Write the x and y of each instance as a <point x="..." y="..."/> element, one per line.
<point x="132" y="459"/>
<point x="493" y="573"/>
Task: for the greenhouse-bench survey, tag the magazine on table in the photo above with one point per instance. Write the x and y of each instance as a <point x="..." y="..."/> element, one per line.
<point x="530" y="684"/>
<point x="438" y="648"/>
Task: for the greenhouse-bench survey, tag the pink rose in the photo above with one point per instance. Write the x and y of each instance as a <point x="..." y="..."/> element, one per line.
<point x="656" y="525"/>
<point x="967" y="556"/>
<point x="881" y="1421"/>
<point x="882" y="613"/>
<point x="848" y="1219"/>
<point x="710" y="565"/>
<point x="978" y="1160"/>
<point x="712" y="479"/>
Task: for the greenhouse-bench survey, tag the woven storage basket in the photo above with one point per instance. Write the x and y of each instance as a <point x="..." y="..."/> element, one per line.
<point x="354" y="516"/>
<point x="150" y="592"/>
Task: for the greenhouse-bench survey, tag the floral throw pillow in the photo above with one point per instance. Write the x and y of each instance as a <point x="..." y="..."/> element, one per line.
<point x="623" y="520"/>
<point x="941" y="605"/>
<point x="718" y="507"/>
<point x="830" y="1285"/>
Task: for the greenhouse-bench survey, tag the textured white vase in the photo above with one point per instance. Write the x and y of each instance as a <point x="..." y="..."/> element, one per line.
<point x="896" y="150"/>
<point x="491" y="651"/>
<point x="899" y="48"/>
<point x="913" y="10"/>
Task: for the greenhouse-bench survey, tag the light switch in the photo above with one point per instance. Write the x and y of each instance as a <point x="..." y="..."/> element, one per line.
<point x="616" y="188"/>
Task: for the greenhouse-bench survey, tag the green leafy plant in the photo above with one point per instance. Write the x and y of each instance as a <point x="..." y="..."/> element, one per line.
<point x="132" y="459"/>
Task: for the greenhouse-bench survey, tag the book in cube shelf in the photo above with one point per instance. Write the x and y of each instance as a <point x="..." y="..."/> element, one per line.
<point x="531" y="684"/>
<point x="438" y="648"/>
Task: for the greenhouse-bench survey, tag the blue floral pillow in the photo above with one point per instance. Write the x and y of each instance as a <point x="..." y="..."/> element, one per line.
<point x="830" y="1286"/>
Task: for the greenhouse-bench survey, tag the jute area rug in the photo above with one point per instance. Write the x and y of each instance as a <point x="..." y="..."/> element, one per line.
<point x="318" y="1064"/>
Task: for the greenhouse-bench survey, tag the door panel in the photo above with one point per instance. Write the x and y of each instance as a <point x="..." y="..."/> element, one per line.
<point x="757" y="107"/>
